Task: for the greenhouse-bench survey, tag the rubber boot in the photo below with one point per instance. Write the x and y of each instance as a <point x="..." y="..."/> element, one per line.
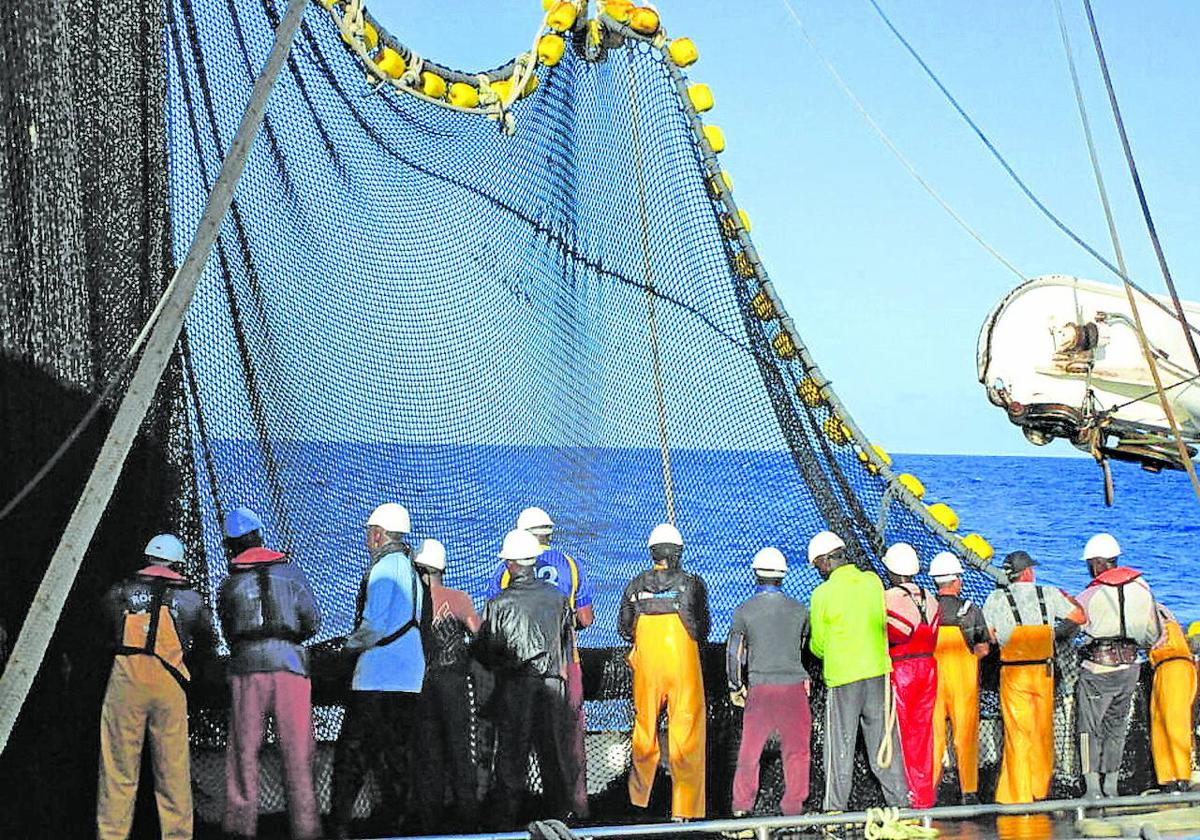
<point x="1110" y="784"/>
<point x="1092" y="780"/>
<point x="970" y="799"/>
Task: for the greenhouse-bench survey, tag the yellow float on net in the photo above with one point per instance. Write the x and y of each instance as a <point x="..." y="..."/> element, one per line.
<point x="880" y="453"/>
<point x="562" y="16"/>
<point x="761" y="303"/>
<point x="700" y="95"/>
<point x="547" y="5"/>
<point x="944" y="515"/>
<point x="391" y="62"/>
<point x="785" y="348"/>
<point x="742" y="267"/>
<point x="550" y="49"/>
<point x="644" y="20"/>
<point x="433" y="85"/>
<point x="683" y="52"/>
<point x="713" y="184"/>
<point x="809" y="392"/>
<point x="978" y="546"/>
<point x="463" y="95"/>
<point x="913" y="484"/>
<point x="619" y="10"/>
<point x="502" y="88"/>
<point x="715" y="137"/>
<point x="837" y="431"/>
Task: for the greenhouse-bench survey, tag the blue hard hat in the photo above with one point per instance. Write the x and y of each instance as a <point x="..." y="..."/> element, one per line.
<point x="241" y="521"/>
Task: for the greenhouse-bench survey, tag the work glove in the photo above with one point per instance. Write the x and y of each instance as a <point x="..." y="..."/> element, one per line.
<point x="737" y="697"/>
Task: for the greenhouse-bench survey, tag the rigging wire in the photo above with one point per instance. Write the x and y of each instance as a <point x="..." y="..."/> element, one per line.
<point x="912" y="170"/>
<point x="1046" y="211"/>
<point x="1143" y="342"/>
<point x="1137" y="183"/>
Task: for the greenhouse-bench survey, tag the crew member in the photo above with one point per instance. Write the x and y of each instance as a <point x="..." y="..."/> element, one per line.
<point x="1023" y="619"/>
<point x="267" y="611"/>
<point x="962" y="641"/>
<point x="848" y="621"/>
<point x="444" y="754"/>
<point x="526" y="639"/>
<point x="566" y="573"/>
<point x="378" y="729"/>
<point x="1121" y="618"/>
<point x="1171" y="705"/>
<point x="763" y="654"/>
<point x="913" y="617"/>
<point x="664" y="612"/>
<point x="155" y="621"/>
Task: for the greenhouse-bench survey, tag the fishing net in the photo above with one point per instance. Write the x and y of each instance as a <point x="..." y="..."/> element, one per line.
<point x="408" y="304"/>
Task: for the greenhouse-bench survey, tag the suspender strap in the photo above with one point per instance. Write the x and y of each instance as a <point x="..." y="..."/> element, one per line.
<point x="1121" y="610"/>
<point x="1041" y="596"/>
<point x="413" y="622"/>
<point x="1008" y="663"/>
<point x="158" y="591"/>
<point x="266" y="599"/>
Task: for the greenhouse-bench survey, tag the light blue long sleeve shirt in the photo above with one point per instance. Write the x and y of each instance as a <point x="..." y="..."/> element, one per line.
<point x="400" y="665"/>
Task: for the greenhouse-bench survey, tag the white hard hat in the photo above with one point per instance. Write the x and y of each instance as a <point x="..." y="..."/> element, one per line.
<point x="521" y="547"/>
<point x="165" y="547"/>
<point x="665" y="535"/>
<point x="944" y="565"/>
<point x="391" y="517"/>
<point x="769" y="562"/>
<point x="535" y="521"/>
<point x="431" y="554"/>
<point x="901" y="559"/>
<point x="1102" y="545"/>
<point x="824" y="543"/>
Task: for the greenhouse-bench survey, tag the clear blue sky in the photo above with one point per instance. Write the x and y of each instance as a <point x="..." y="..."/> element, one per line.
<point x="884" y="286"/>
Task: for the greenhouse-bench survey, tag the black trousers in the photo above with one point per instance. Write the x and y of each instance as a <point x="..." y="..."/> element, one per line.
<point x="377" y="734"/>
<point x="443" y="753"/>
<point x="532" y="712"/>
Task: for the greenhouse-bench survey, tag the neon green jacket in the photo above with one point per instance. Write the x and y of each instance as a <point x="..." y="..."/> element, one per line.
<point x="849" y="626"/>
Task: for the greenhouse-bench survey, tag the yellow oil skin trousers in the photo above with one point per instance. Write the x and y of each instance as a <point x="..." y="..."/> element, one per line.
<point x="1027" y="707"/>
<point x="1171" y="706"/>
<point x="142" y="696"/>
<point x="666" y="669"/>
<point x="957" y="702"/>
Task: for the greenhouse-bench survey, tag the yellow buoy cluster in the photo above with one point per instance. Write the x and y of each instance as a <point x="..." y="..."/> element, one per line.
<point x="392" y="64"/>
<point x="941" y="512"/>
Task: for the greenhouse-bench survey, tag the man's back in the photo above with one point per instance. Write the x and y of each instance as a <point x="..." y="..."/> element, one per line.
<point x="848" y="626"/>
<point x="1024" y="603"/>
<point x="526" y="629"/>
<point x="1120" y="605"/>
<point x="267" y="610"/>
<point x="393" y="602"/>
<point x="770" y="627"/>
<point x="663" y="592"/>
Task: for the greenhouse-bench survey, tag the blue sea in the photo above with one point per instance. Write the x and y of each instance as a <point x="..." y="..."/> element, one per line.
<point x="1051" y="506"/>
<point x="728" y="504"/>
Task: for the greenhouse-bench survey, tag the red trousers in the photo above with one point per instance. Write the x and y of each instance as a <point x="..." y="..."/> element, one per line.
<point x="915" y="682"/>
<point x="288" y="698"/>
<point x="783" y="709"/>
<point x="579" y="794"/>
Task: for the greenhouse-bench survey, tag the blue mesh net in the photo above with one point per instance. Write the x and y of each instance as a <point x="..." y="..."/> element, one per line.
<point x="408" y="304"/>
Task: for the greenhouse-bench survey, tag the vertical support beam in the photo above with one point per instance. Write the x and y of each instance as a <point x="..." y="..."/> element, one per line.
<point x="56" y="584"/>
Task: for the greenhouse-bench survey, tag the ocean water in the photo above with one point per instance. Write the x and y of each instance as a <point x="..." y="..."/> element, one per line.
<point x="728" y="504"/>
<point x="1051" y="506"/>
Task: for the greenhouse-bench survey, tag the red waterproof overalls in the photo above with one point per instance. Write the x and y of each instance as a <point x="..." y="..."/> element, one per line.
<point x="915" y="681"/>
